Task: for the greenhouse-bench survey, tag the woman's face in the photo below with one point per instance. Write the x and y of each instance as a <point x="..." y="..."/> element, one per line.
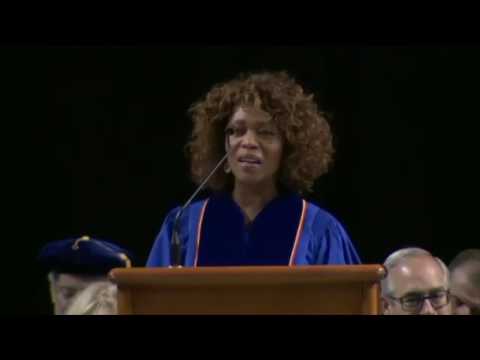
<point x="257" y="147"/>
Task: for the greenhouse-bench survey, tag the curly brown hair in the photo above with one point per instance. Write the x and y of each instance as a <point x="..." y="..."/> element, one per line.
<point x="308" y="148"/>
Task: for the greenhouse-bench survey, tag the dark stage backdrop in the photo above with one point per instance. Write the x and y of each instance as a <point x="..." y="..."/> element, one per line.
<point x="96" y="145"/>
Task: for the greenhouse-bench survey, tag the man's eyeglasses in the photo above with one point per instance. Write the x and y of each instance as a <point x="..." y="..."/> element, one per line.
<point x="414" y="303"/>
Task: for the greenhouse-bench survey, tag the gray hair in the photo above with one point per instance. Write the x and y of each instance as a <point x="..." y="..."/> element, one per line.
<point x="52" y="278"/>
<point x="397" y="257"/>
<point x="465" y="257"/>
<point x="469" y="260"/>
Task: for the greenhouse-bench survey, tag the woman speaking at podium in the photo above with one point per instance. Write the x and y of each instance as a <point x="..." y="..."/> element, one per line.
<point x="258" y="143"/>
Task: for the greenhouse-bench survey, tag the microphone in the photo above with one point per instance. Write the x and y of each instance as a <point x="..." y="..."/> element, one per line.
<point x="176" y="244"/>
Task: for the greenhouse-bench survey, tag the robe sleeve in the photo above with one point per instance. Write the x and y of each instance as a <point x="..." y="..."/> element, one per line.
<point x="331" y="243"/>
<point x="160" y="252"/>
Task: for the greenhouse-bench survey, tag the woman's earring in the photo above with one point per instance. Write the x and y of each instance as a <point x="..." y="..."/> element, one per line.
<point x="227" y="168"/>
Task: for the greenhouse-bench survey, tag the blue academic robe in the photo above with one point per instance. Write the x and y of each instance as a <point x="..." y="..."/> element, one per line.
<point x="288" y="231"/>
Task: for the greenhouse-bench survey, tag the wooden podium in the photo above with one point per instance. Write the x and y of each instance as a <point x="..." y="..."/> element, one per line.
<point x="322" y="289"/>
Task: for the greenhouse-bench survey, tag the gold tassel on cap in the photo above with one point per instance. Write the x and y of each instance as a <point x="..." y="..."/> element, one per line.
<point x="83" y="238"/>
<point x="125" y="258"/>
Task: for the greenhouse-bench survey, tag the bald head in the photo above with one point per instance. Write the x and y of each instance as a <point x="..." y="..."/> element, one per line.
<point x="414" y="273"/>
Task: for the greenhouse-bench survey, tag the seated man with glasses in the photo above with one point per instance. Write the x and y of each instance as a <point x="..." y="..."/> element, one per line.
<point x="417" y="283"/>
<point x="465" y="282"/>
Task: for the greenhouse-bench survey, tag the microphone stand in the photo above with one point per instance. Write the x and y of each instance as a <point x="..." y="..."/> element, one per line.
<point x="176" y="244"/>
